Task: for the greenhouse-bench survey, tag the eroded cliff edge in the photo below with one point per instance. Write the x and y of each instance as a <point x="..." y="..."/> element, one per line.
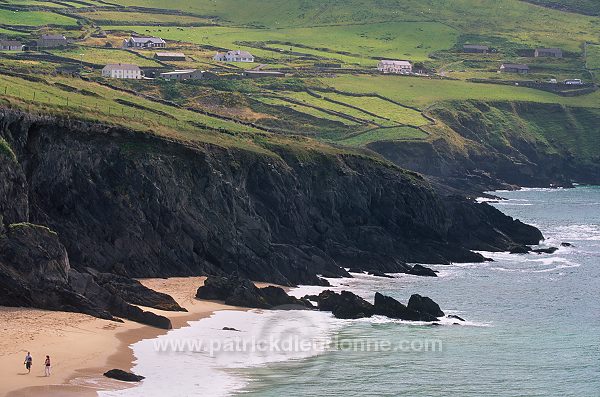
<point x="138" y="205"/>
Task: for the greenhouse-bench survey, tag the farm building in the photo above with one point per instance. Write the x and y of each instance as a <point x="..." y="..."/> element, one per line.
<point x="187" y="74"/>
<point x="170" y="56"/>
<point x="399" y="67"/>
<point x="10" y="45"/>
<point x="234" y="56"/>
<point x="52" y="41"/>
<point x="548" y="52"/>
<point x="253" y="74"/>
<point x="514" y="68"/>
<point x="477" y="49"/>
<point x="573" y="82"/>
<point x="122" y="71"/>
<point x="144" y="42"/>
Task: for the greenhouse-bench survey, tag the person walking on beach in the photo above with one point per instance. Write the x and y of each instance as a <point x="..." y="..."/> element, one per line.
<point x="47" y="366"/>
<point x="28" y="362"/>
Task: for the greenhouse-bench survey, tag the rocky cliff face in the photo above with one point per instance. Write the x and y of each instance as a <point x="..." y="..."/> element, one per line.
<point x="141" y="206"/>
<point x="496" y="145"/>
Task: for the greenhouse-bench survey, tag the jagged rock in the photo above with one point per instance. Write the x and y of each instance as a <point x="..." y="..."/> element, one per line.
<point x="379" y="274"/>
<point x="345" y="305"/>
<point x="455" y="317"/>
<point x="323" y="282"/>
<point x="134" y="292"/>
<point x="418" y="270"/>
<point x="390" y="307"/>
<point x="566" y="244"/>
<point x="424" y="304"/>
<point x="125" y="376"/>
<point x="549" y="250"/>
<point x="519" y="249"/>
<point x="355" y="270"/>
<point x="85" y="284"/>
<point x="238" y="291"/>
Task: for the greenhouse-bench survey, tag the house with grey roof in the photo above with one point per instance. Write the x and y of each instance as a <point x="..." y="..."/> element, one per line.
<point x="397" y="67"/>
<point x="234" y="56"/>
<point x="514" y="68"/>
<point x="144" y="42"/>
<point x="122" y="71"/>
<point x="548" y="52"/>
<point x="11" y="45"/>
<point x="52" y="41"/>
<point x="181" y="75"/>
<point x="477" y="49"/>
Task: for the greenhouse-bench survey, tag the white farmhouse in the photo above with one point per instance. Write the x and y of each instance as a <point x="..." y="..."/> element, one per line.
<point x="399" y="67"/>
<point x="122" y="71"/>
<point x="234" y="56"/>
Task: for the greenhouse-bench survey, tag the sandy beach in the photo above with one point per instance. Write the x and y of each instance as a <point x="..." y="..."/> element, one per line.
<point x="82" y="347"/>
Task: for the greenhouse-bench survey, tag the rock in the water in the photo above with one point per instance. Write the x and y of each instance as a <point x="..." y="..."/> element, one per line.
<point x="390" y="307"/>
<point x="125" y="376"/>
<point x="424" y="304"/>
<point x="379" y="274"/>
<point x="519" y="249"/>
<point x="549" y="250"/>
<point x="323" y="282"/>
<point x="566" y="244"/>
<point x="455" y="317"/>
<point x="345" y="305"/>
<point x="419" y="270"/>
<point x="230" y="329"/>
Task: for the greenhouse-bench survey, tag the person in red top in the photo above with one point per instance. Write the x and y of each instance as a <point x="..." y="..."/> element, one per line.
<point x="47" y="366"/>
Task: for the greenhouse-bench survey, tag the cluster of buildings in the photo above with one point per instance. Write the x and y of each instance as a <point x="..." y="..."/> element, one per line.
<point x="514" y="67"/>
<point x="129" y="71"/>
<point x="44" y="41"/>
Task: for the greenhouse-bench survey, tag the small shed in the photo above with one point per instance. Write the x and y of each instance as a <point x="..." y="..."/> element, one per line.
<point x="548" y="52"/>
<point x="11" y="45"/>
<point x="475" y="48"/>
<point x="514" y="68"/>
<point x="254" y="74"/>
<point x="181" y="75"/>
<point x="170" y="56"/>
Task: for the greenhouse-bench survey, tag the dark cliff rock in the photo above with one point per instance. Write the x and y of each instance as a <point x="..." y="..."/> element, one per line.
<point x="152" y="207"/>
<point x="419" y="270"/>
<point x="238" y="291"/>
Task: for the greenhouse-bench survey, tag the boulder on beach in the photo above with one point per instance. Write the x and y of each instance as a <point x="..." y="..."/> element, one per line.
<point x="239" y="291"/>
<point x="125" y="376"/>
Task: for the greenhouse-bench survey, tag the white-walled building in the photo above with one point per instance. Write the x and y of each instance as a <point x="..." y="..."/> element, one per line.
<point x="122" y="71"/>
<point x="234" y="56"/>
<point x="390" y="66"/>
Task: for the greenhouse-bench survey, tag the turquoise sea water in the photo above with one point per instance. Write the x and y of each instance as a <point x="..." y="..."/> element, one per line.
<point x="535" y="321"/>
<point x="532" y="329"/>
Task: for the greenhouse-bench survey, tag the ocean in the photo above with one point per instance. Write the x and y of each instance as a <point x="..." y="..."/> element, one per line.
<point x="532" y="328"/>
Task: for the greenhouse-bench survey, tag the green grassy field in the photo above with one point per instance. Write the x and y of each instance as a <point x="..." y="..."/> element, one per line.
<point x="34" y="18"/>
<point x="591" y="7"/>
<point x="422" y="92"/>
<point x="363" y="41"/>
<point x="383" y="134"/>
<point x="101" y="56"/>
<point x="124" y="18"/>
<point x="304" y="109"/>
<point x="593" y="61"/>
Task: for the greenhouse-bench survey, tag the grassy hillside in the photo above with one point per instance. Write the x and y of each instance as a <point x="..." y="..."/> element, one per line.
<point x="588" y="7"/>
